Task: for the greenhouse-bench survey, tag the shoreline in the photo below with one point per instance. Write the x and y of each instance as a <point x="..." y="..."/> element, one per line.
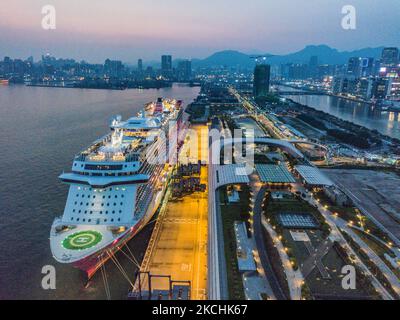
<point x="345" y="123"/>
<point x="355" y="100"/>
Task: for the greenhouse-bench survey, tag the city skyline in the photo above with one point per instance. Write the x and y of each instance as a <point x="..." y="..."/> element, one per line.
<point x="174" y="150"/>
<point x="127" y="33"/>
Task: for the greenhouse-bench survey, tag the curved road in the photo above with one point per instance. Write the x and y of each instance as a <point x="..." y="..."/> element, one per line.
<point x="258" y="237"/>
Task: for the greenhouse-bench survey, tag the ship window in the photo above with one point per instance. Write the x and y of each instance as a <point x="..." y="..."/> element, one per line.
<point x="84" y="219"/>
<point x="122" y="195"/>
<point x="104" y="197"/>
<point x="77" y="194"/>
<point x="113" y="211"/>
<point x="119" y="219"/>
<point x="116" y="196"/>
<point x="85" y="211"/>
<point x="73" y="210"/>
<point x="88" y="196"/>
<point x="102" y="204"/>
<point x="72" y="218"/>
<point x="121" y="203"/>
<point x="76" y="203"/>
<point x="90" y="220"/>
<point x="115" y="204"/>
<point x="94" y="197"/>
<point x="79" y="211"/>
<point x="112" y="220"/>
<point x="92" y="204"/>
<point x="120" y="211"/>
<point x="90" y="211"/>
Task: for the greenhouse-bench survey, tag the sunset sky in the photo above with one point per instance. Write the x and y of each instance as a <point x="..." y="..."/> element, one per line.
<point x="130" y="29"/>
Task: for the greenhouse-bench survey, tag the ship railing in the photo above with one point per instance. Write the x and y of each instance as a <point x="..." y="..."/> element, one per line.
<point x="94" y="146"/>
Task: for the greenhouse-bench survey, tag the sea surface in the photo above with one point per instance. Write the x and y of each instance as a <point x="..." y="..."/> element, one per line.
<point x="386" y="122"/>
<point x="41" y="129"/>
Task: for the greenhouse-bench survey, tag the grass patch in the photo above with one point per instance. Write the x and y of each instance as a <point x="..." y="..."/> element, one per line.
<point x="276" y="262"/>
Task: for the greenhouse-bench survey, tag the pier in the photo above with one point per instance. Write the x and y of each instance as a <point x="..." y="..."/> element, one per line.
<point x="177" y="252"/>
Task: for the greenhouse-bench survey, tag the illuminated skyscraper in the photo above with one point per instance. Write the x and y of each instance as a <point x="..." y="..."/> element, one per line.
<point x="390" y="57"/>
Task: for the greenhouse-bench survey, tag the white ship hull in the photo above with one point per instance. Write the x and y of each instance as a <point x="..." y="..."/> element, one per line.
<point x="93" y="262"/>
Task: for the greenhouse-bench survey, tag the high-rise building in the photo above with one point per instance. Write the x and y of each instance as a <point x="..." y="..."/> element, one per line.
<point x="390" y="57"/>
<point x="325" y="70"/>
<point x="381" y="88"/>
<point x="261" y="80"/>
<point x="113" y="68"/>
<point x="166" y="65"/>
<point x="298" y="71"/>
<point x="364" y="88"/>
<point x="367" y="67"/>
<point x="7" y="65"/>
<point x="184" y="70"/>
<point x="354" y="67"/>
<point x="140" y="65"/>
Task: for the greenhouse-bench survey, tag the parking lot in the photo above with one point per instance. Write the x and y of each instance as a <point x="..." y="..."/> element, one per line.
<point x="377" y="193"/>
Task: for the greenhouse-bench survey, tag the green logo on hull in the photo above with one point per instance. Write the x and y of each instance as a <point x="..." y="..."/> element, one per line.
<point x="82" y="240"/>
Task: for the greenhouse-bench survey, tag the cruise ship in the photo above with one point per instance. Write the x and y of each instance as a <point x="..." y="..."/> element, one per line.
<point x="116" y="186"/>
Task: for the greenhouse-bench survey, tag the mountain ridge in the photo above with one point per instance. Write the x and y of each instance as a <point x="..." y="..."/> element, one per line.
<point x="325" y="54"/>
